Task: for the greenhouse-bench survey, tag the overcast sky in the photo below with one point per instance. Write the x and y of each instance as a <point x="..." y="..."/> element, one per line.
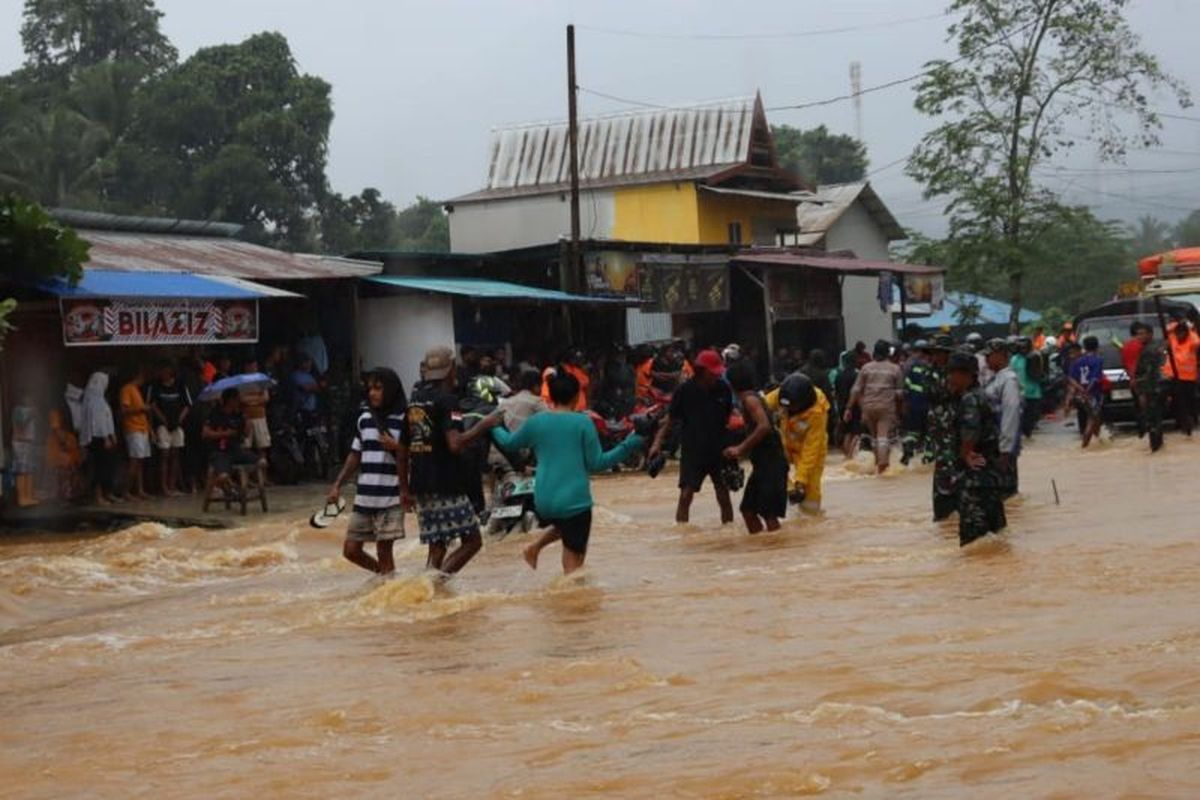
<point x="418" y="85"/>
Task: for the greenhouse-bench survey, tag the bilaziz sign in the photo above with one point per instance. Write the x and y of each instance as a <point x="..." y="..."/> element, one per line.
<point x="117" y="321"/>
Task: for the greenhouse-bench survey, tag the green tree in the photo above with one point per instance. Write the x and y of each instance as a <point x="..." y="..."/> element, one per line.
<point x="61" y="37"/>
<point x="1149" y="236"/>
<point x="818" y="156"/>
<point x="1026" y="69"/>
<point x="34" y="247"/>
<point x="1187" y="232"/>
<point x="423" y="227"/>
<point x="1077" y="261"/>
<point x="234" y="133"/>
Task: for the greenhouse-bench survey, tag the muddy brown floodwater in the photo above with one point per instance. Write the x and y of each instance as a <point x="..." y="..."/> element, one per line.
<point x="862" y="653"/>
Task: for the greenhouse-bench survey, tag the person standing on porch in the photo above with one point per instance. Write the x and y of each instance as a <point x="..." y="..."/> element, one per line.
<point x="135" y="422"/>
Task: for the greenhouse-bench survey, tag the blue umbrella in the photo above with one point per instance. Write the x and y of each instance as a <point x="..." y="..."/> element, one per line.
<point x="254" y="379"/>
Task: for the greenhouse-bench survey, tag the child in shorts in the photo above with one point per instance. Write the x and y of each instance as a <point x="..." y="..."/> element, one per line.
<point x="377" y="516"/>
<point x="567" y="449"/>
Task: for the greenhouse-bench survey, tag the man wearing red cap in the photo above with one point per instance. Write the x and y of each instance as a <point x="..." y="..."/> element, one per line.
<point x="701" y="406"/>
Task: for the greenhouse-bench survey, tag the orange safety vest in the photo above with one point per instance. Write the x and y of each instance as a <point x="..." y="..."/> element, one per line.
<point x="1185" y="357"/>
<point x="643" y="377"/>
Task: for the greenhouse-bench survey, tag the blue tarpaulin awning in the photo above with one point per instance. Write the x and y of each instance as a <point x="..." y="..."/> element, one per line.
<point x="492" y="290"/>
<point x="114" y="283"/>
<point x="989" y="312"/>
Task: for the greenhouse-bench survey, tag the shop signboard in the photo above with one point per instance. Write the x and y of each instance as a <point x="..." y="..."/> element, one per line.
<point x="683" y="284"/>
<point x="612" y="274"/>
<point x="137" y="321"/>
<point x="798" y="293"/>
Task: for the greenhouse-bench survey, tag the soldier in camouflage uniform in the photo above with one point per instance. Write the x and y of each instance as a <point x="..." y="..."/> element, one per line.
<point x="939" y="434"/>
<point x="1148" y="389"/>
<point x="982" y="477"/>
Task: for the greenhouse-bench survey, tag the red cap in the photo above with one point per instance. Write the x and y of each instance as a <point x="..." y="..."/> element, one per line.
<point x="711" y="361"/>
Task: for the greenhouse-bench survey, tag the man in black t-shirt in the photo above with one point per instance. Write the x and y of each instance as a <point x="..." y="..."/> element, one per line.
<point x="702" y="406"/>
<point x="170" y="404"/>
<point x="432" y="475"/>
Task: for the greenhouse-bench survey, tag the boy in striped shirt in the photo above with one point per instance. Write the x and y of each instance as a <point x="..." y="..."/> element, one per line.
<point x="377" y="516"/>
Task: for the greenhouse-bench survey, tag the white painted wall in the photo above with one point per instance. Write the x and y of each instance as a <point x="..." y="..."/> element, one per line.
<point x="856" y="230"/>
<point x="526" y="221"/>
<point x="396" y="331"/>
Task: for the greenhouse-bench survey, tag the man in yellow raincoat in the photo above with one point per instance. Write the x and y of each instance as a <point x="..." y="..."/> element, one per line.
<point x="802" y="411"/>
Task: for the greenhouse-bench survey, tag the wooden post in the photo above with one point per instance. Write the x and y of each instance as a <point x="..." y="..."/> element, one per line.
<point x="574" y="261"/>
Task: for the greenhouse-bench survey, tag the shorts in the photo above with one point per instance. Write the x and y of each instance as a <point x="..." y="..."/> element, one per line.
<point x="223" y="461"/>
<point x="766" y="493"/>
<point x="444" y="518"/>
<point x="377" y="525"/>
<point x="138" y="444"/>
<point x="692" y="473"/>
<point x="24" y="461"/>
<point x="575" y="531"/>
<point x="259" y="435"/>
<point x="166" y="439"/>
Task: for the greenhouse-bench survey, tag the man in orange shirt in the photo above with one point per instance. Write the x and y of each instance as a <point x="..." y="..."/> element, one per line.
<point x="1039" y="338"/>
<point x="135" y="422"/>
<point x="1181" y="369"/>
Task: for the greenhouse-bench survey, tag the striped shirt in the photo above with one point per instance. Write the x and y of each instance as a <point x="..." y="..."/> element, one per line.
<point x="378" y="484"/>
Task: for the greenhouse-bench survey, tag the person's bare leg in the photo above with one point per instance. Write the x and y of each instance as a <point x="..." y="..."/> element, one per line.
<point x="383" y="555"/>
<point x="354" y="553"/>
<point x="772" y="524"/>
<point x="753" y="523"/>
<point x="572" y="561"/>
<point x="725" y="503"/>
<point x="437" y="554"/>
<point x="683" y="510"/>
<point x="466" y="550"/>
<point x="534" y="550"/>
<point x="136" y="468"/>
<point x="164" y="472"/>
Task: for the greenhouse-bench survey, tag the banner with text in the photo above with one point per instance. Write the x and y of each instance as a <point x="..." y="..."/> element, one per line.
<point x="118" y="321"/>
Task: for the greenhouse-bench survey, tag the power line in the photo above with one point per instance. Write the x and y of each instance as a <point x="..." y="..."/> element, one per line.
<point x="776" y="35"/>
<point x="617" y="99"/>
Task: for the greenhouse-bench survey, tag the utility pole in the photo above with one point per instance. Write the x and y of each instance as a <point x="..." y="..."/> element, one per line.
<point x="574" y="257"/>
<point x="856" y="93"/>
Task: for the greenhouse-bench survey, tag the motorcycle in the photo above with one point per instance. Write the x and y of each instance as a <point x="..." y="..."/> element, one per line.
<point x="316" y="447"/>
<point x="286" y="456"/>
<point x="512" y="506"/>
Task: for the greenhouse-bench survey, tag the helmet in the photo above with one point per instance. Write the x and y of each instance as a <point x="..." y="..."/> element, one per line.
<point x="975" y="341"/>
<point x="920" y="344"/>
<point x="1051" y="341"/>
<point x="797" y="393"/>
<point x="964" y="362"/>
<point x="731" y="353"/>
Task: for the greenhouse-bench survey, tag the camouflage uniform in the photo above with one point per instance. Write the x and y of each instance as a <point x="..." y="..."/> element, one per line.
<point x="980" y="491"/>
<point x="940" y="445"/>
<point x="1148" y="387"/>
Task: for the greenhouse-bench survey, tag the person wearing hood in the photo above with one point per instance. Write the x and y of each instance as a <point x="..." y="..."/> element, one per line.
<point x="803" y="412"/>
<point x="879" y="392"/>
<point x="98" y="434"/>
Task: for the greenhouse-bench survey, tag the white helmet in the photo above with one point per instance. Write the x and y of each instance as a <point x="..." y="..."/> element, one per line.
<point x="1051" y="341"/>
<point x="731" y="353"/>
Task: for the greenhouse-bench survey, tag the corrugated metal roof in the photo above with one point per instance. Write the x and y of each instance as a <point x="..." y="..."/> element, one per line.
<point x="630" y="147"/>
<point x="830" y="202"/>
<point x="101" y="220"/>
<point x="991" y="312"/>
<point x="846" y="264"/>
<point x="136" y="252"/>
<point x="485" y="289"/>
<point x="110" y="283"/>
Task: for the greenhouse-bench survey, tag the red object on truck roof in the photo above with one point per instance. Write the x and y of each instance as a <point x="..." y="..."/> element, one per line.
<point x="1182" y="261"/>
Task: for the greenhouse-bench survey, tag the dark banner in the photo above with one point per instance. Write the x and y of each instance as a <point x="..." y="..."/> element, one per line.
<point x="805" y="294"/>
<point x="679" y="285"/>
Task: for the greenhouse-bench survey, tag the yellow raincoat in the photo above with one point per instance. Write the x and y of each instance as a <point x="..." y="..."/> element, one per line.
<point x="806" y="443"/>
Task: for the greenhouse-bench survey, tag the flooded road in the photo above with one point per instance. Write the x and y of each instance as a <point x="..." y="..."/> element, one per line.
<point x="862" y="653"/>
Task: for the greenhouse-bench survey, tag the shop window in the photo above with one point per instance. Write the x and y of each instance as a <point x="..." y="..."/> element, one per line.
<point x="735" y="233"/>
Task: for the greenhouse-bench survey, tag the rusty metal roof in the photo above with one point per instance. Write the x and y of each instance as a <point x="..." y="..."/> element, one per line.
<point x="207" y="255"/>
<point x="621" y="149"/>
<point x="840" y="261"/>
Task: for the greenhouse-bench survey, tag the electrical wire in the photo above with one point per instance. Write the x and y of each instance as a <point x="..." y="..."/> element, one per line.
<point x="775" y="35"/>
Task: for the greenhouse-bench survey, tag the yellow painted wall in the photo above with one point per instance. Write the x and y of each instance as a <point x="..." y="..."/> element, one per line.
<point x="661" y="212"/>
<point x="717" y="212"/>
<point x="677" y="213"/>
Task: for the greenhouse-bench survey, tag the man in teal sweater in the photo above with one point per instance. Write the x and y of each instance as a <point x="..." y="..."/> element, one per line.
<point x="567" y="450"/>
